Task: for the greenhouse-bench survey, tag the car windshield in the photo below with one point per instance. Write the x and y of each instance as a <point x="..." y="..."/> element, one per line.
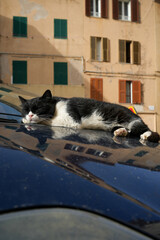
<point x="8" y="113"/>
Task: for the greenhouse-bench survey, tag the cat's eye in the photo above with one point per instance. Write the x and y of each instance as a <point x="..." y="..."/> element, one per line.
<point x="34" y="109"/>
<point x="40" y="111"/>
<point x="26" y="108"/>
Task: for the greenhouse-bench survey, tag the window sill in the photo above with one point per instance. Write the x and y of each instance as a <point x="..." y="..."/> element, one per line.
<point x="99" y="61"/>
<point x="95" y="17"/>
<point x="124" y="20"/>
<point x="20" y="36"/>
<point x="61" y="38"/>
<point x="136" y="64"/>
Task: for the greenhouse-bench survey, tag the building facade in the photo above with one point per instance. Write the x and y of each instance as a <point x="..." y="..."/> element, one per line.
<point x="102" y="49"/>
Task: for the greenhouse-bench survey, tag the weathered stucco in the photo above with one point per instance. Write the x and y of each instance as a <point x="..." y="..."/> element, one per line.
<point x="40" y="49"/>
<point x="29" y="6"/>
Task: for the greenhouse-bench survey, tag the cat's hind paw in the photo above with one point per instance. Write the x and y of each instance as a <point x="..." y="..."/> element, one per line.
<point x="120" y="132"/>
<point x="145" y="135"/>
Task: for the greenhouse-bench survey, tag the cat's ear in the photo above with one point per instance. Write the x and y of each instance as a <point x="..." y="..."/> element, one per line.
<point x="47" y="94"/>
<point x="23" y="101"/>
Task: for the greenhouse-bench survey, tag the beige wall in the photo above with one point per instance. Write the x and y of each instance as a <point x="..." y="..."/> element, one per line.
<point x="40" y="50"/>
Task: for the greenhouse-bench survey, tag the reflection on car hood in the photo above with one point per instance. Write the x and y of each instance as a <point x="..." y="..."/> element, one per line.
<point x="86" y="169"/>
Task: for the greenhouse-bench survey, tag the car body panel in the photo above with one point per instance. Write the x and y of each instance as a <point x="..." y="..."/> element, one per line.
<point x="42" y="166"/>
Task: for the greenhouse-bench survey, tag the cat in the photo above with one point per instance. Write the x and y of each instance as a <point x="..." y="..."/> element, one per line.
<point x="83" y="113"/>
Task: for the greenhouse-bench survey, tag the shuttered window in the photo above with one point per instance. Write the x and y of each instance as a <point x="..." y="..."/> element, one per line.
<point x="96" y="88"/>
<point x="129" y="92"/>
<point x="136" y="53"/>
<point x="19" y="72"/>
<point x="60" y="28"/>
<point x="106" y="50"/>
<point x="136" y="91"/>
<point x="93" y="48"/>
<point x="122" y="91"/>
<point x="96" y="8"/>
<point x="126" y="10"/>
<point x="122" y="51"/>
<point x="60" y="73"/>
<point x="88" y="7"/>
<point x="129" y="52"/>
<point x="115" y="9"/>
<point x="104" y="9"/>
<point x="100" y="49"/>
<point x="19" y="26"/>
<point x="135" y="10"/>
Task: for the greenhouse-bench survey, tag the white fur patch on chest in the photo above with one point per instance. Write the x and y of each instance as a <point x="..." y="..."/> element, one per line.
<point x="62" y="118"/>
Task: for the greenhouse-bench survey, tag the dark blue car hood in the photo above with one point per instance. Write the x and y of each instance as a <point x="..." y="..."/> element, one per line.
<point x="90" y="170"/>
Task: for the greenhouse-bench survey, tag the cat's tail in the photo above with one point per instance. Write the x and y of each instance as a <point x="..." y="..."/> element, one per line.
<point x="150" y="136"/>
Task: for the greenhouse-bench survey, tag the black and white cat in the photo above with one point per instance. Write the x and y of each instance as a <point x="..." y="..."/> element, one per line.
<point x="84" y="113"/>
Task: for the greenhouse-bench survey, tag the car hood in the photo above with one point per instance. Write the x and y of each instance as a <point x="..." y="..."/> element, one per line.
<point x="42" y="166"/>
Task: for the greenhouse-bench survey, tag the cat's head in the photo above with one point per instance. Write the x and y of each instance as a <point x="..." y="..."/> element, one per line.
<point x="38" y="109"/>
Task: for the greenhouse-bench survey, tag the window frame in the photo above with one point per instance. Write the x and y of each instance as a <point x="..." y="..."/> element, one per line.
<point x="19" y="73"/>
<point x="94" y="12"/>
<point x="134" y="52"/>
<point x="96" y="88"/>
<point x="103" y="8"/>
<point x="135" y="92"/>
<point x="100" y="49"/>
<point x="124" y="17"/>
<point x="135" y="10"/>
<point x="60" y="70"/>
<point x="20" y="27"/>
<point x="60" y="28"/>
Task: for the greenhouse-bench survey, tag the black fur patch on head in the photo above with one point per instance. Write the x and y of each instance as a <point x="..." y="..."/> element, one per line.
<point x="154" y="137"/>
<point x="43" y="106"/>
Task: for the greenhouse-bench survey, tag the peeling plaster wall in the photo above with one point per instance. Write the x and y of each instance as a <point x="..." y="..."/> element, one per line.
<point x="40" y="49"/>
<point x="28" y="6"/>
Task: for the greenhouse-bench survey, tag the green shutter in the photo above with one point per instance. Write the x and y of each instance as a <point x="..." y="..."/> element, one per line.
<point x="60" y="28"/>
<point x="19" y="26"/>
<point x="57" y="28"/>
<point x="19" y="72"/>
<point x="23" y="26"/>
<point x="60" y="73"/>
<point x="16" y="26"/>
<point x="64" y="29"/>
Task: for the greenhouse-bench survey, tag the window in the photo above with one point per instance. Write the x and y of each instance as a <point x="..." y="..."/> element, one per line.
<point x="129" y="98"/>
<point x="75" y="148"/>
<point x="60" y="28"/>
<point x="96" y="89"/>
<point x="60" y="73"/>
<point x="19" y="26"/>
<point x="19" y="72"/>
<point x="129" y="52"/>
<point x="98" y="153"/>
<point x="129" y="92"/>
<point x="127" y="10"/>
<point x="124" y="10"/>
<point x="100" y="49"/>
<point x="97" y="8"/>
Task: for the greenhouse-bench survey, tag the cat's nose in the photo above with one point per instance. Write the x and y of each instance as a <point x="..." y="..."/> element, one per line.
<point x="30" y="115"/>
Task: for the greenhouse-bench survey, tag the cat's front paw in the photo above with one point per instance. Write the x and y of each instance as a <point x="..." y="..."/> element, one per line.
<point x="24" y="120"/>
<point x="120" y="132"/>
